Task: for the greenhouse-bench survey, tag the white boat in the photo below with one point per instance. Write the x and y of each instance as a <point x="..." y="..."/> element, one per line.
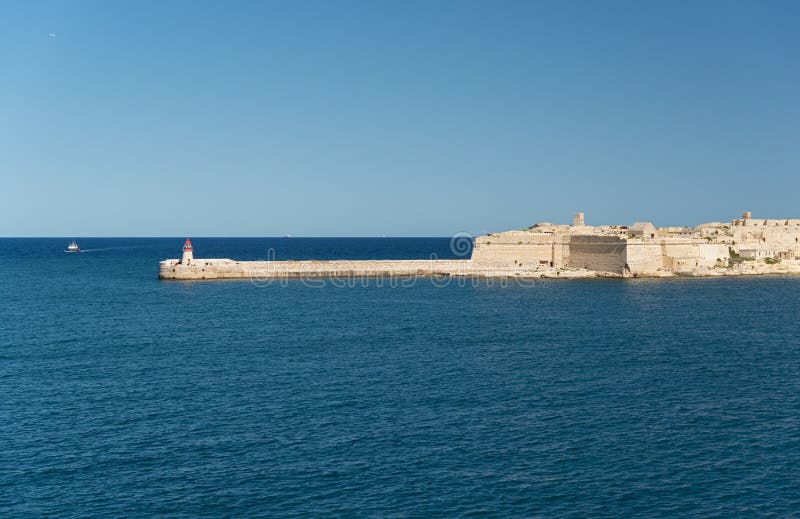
<point x="72" y="247"/>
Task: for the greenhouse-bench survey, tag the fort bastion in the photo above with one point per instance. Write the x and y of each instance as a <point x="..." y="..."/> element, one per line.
<point x="642" y="249"/>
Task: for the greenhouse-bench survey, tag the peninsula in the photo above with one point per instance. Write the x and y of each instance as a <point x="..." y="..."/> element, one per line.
<point x="745" y="246"/>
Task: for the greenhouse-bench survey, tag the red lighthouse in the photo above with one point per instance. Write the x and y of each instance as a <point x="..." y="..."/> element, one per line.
<point x="188" y="254"/>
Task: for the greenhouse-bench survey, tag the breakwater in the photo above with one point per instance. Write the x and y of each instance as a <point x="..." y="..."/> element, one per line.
<point x="198" y="269"/>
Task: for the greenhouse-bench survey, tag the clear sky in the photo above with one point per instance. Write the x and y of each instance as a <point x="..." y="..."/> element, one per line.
<point x="403" y="118"/>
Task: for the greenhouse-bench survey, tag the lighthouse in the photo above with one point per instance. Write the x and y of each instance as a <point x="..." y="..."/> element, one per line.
<point x="188" y="255"/>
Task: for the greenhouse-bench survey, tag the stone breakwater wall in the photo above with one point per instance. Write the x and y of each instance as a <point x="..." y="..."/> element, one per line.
<point x="209" y="269"/>
<point x="230" y="269"/>
<point x="199" y="269"/>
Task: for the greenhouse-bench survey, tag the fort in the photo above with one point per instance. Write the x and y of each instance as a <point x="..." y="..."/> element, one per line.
<point x="744" y="246"/>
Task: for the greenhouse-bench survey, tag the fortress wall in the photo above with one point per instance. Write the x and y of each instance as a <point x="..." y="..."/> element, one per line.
<point x="682" y="255"/>
<point x="519" y="237"/>
<point x="681" y="249"/>
<point x="650" y="256"/>
<point x="761" y="222"/>
<point x="599" y="253"/>
<point x="786" y="238"/>
<point x="561" y="254"/>
<point x="644" y="256"/>
<point x="711" y="252"/>
<point x="512" y="237"/>
<point x="527" y="254"/>
<point x="518" y="248"/>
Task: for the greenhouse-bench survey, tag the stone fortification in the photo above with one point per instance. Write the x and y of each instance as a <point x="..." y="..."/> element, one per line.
<point x="739" y="247"/>
<point x="644" y="250"/>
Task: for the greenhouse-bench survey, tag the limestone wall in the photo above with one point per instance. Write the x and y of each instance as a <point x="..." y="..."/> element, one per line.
<point x="760" y="222"/>
<point x="229" y="269"/>
<point x="520" y="248"/>
<point x="710" y="253"/>
<point x="599" y="253"/>
<point x="612" y="249"/>
<point x="786" y="237"/>
<point x="644" y="257"/>
<point x="514" y="254"/>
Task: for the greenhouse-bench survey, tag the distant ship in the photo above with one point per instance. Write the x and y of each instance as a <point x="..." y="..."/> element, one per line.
<point x="72" y="247"/>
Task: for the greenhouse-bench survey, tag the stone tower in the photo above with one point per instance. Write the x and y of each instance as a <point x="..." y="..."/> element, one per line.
<point x="577" y="219"/>
<point x="188" y="254"/>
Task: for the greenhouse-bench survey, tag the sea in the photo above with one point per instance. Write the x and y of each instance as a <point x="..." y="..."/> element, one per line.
<point x="125" y="396"/>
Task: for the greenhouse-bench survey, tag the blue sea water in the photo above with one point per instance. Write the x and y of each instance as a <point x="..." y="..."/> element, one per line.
<point x="125" y="396"/>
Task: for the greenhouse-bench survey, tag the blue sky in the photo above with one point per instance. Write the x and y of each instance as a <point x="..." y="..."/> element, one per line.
<point x="400" y="118"/>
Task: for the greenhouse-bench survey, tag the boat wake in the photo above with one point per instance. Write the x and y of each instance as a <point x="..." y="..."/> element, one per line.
<point x="112" y="248"/>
